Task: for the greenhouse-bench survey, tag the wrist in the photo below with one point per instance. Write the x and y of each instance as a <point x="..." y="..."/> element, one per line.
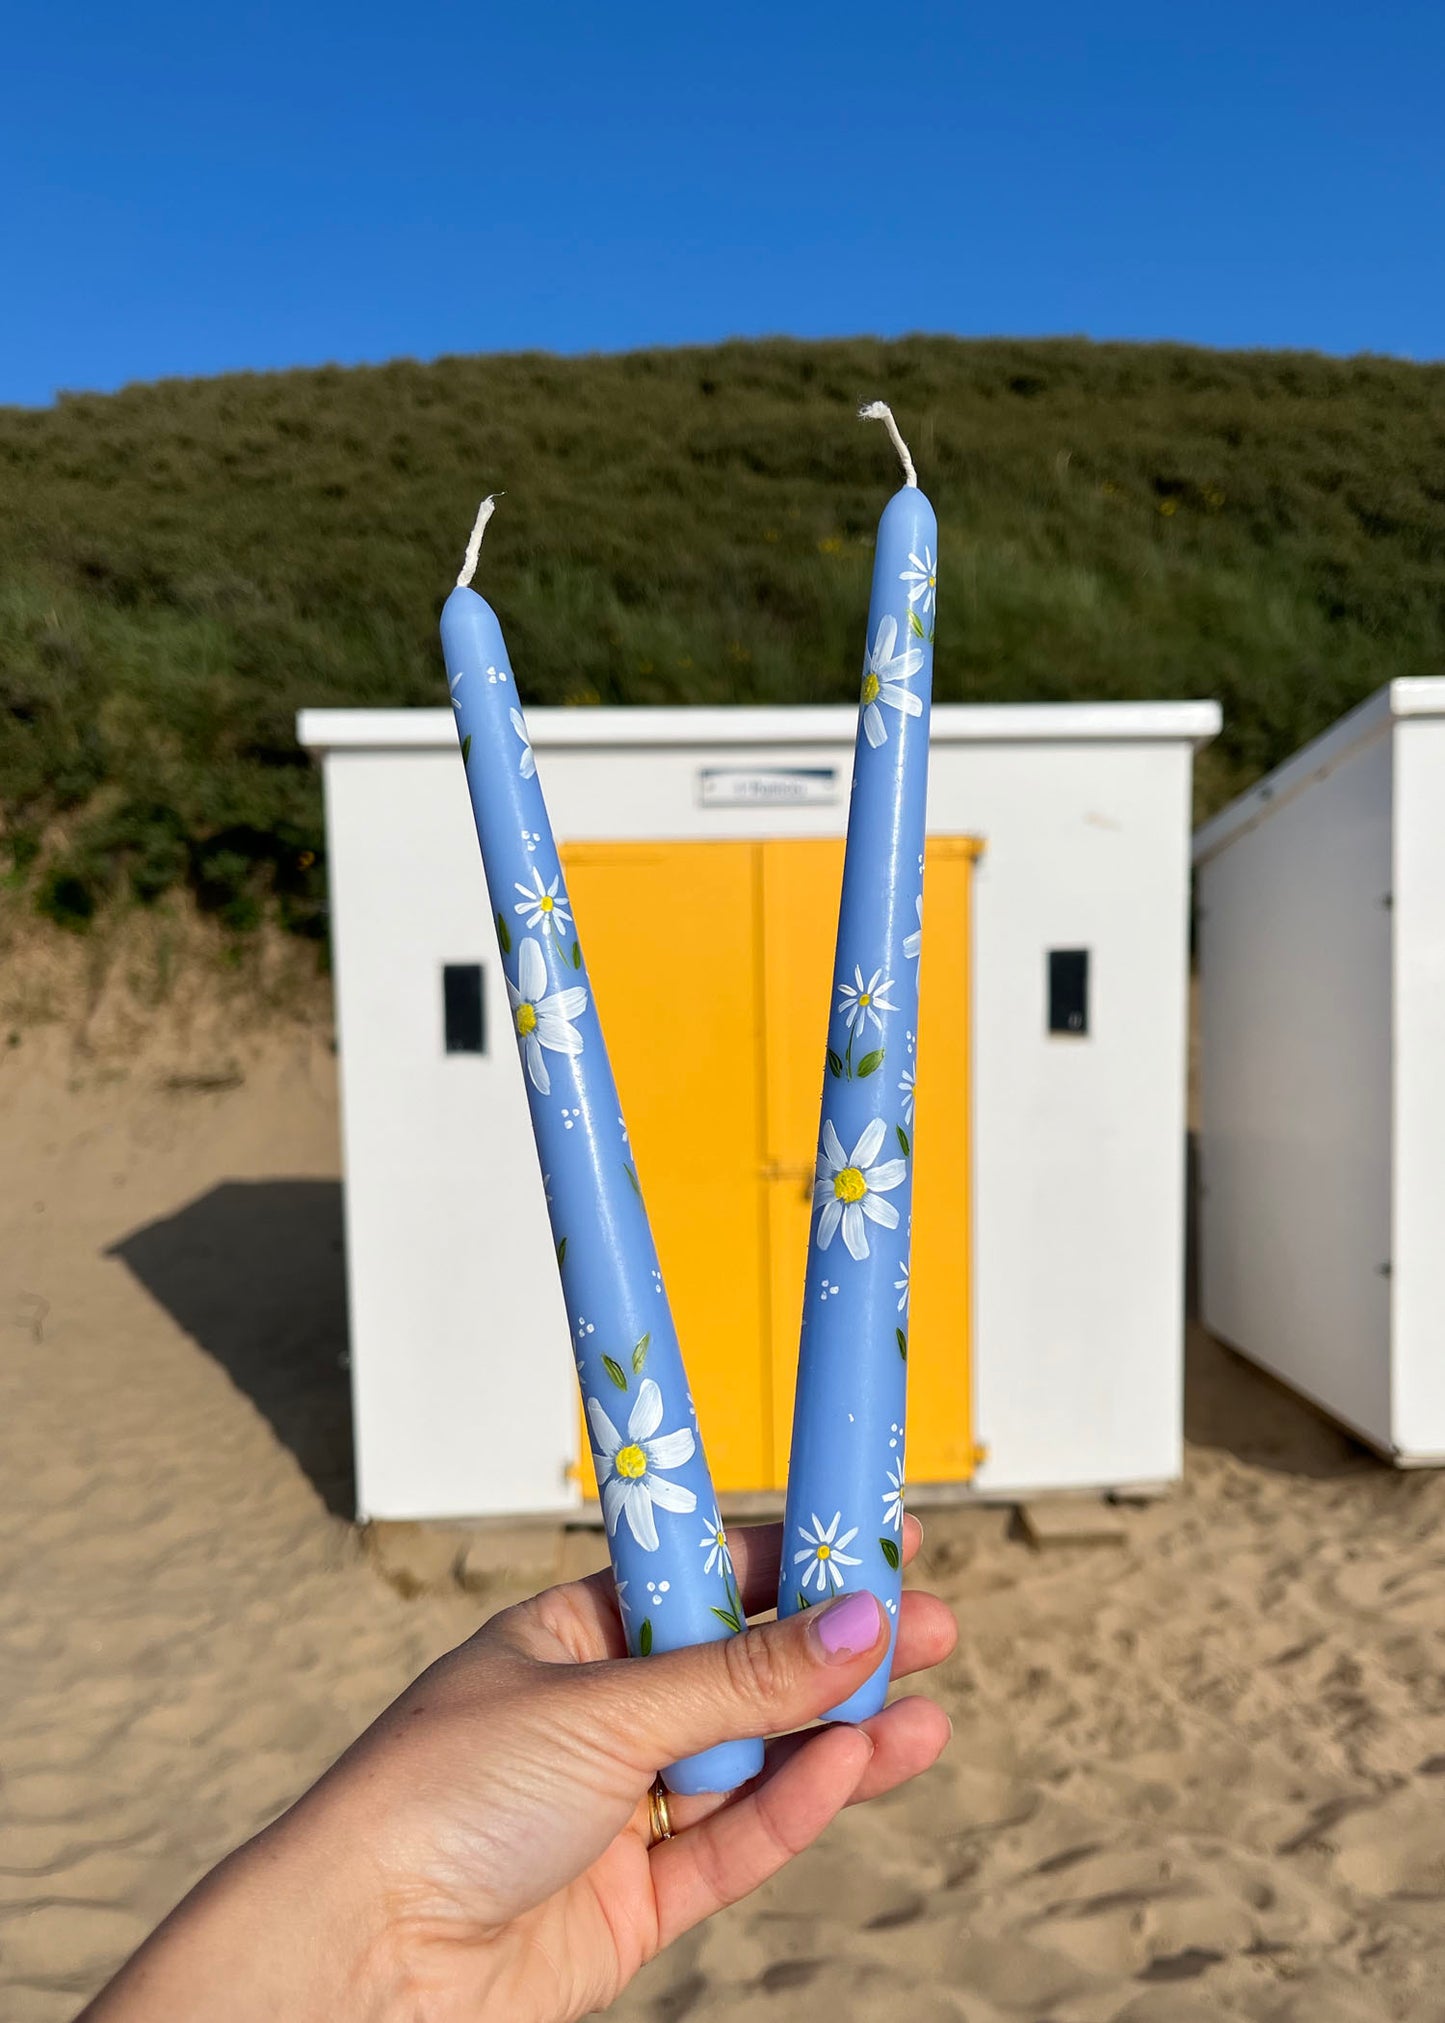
<point x="281" y="1928"/>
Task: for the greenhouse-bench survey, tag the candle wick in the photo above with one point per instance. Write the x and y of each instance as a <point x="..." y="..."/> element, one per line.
<point x="474" y="545"/>
<point x="879" y="410"/>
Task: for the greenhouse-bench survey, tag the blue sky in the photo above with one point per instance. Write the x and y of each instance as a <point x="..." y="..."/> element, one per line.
<point x="195" y="190"/>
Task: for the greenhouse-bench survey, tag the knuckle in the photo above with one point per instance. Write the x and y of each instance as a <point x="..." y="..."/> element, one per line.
<point x="754" y="1666"/>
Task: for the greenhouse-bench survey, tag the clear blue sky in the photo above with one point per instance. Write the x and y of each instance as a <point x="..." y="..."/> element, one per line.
<point x="195" y="189"/>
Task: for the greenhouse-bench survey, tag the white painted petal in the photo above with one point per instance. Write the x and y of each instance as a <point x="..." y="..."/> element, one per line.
<point x="847" y="1539"/>
<point x="870" y="1140"/>
<point x="833" y="1151"/>
<point x="670" y="1450"/>
<point x="885" y="639"/>
<point x="879" y="1211"/>
<point x="531" y="971"/>
<point x="799" y="1557"/>
<point x="855" y="1234"/>
<point x="823" y="1191"/>
<point x="647" y="1412"/>
<point x="873" y="728"/>
<point x="670" y="1495"/>
<point x="883" y="1179"/>
<point x="828" y="1222"/>
<point x="901" y="699"/>
<point x="603" y="1431"/>
<point x="614" y="1495"/>
<point x="529" y="765"/>
<point x="514" y="996"/>
<point x="832" y="1567"/>
<point x="536" y="1066"/>
<point x="564" y="1004"/>
<point x="517" y="724"/>
<point x="844" y="1559"/>
<point x="826" y="1537"/>
<point x="557" y="1036"/>
<point x="640" y="1520"/>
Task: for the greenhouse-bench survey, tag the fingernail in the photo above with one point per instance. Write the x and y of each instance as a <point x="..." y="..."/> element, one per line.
<point x="846" y="1627"/>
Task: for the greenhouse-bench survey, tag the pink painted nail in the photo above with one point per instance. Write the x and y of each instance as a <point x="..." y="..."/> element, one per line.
<point x="846" y="1627"/>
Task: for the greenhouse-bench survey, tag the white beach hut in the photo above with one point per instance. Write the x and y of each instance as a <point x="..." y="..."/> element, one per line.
<point x="1322" y="1150"/>
<point x="1046" y="1316"/>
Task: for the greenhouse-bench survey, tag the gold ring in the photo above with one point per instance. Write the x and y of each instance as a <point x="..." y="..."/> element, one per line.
<point x="659" y="1820"/>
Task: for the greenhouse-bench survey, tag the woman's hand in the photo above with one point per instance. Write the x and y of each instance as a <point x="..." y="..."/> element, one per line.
<point x="483" y="1850"/>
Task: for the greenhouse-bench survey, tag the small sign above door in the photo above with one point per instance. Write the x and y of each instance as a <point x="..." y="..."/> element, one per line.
<point x="768" y="786"/>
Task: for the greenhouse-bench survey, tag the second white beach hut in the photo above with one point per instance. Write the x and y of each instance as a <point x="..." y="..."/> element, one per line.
<point x="702" y="851"/>
<point x="1322" y="1076"/>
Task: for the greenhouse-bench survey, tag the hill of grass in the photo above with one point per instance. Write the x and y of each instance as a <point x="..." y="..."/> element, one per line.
<point x="182" y="565"/>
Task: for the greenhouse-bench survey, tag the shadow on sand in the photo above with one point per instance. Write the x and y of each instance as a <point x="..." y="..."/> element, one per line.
<point x="253" y="1271"/>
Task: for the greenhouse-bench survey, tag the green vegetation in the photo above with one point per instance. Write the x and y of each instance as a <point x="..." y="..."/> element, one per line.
<point x="183" y="565"/>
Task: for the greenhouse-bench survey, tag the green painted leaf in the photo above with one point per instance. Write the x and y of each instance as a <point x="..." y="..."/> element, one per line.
<point x="915" y="625"/>
<point x="644" y="1639"/>
<point x="615" y="1371"/>
<point x="902" y="1341"/>
<point x="891" y="1553"/>
<point x="466" y="747"/>
<point x="636" y="1184"/>
<point x="576" y="955"/>
<point x="835" y="1064"/>
<point x="562" y="1251"/>
<point x="803" y="1602"/>
<point x="727" y="1616"/>
<point x="902" y="1136"/>
<point x="639" y="1353"/>
<point x="504" y="934"/>
<point x="870" y="1063"/>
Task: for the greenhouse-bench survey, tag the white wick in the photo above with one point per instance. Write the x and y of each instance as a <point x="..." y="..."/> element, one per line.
<point x="474" y="545"/>
<point x="879" y="410"/>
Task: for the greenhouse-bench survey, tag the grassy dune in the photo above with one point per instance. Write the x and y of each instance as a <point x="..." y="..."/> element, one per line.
<point x="183" y="565"/>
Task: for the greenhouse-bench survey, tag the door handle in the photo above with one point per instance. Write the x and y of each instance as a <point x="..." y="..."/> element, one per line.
<point x="791" y="1169"/>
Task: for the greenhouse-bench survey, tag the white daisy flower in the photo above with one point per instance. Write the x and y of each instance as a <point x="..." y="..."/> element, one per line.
<point x="849" y="1185"/>
<point x="824" y="1553"/>
<point x="714" y="1542"/>
<point x="922" y="579"/>
<point x="452" y="686"/>
<point x="900" y="1286"/>
<point x="913" y="943"/>
<point x="893" y="1496"/>
<point x="627" y="1469"/>
<point x="542" y="1020"/>
<point x="528" y="763"/>
<point x="544" y="905"/>
<point x="882" y="672"/>
<point x="860" y="1001"/>
<point x="907" y="1089"/>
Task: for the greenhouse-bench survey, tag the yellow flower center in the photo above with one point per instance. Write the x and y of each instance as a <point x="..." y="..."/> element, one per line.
<point x="825" y="1552"/>
<point x="526" y="1019"/>
<point x="720" y="1538"/>
<point x="933" y="582"/>
<point x="850" y="1185"/>
<point x="631" y="1462"/>
<point x="546" y="902"/>
<point x="870" y="687"/>
<point x="865" y="997"/>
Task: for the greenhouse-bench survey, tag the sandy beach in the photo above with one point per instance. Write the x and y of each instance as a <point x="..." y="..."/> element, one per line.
<point x="1198" y="1773"/>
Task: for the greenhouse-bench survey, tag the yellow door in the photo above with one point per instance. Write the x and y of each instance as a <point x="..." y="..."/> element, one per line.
<point x="722" y="1105"/>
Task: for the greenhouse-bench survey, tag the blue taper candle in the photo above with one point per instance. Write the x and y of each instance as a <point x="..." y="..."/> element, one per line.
<point x="670" y="1559"/>
<point x="843" y="1527"/>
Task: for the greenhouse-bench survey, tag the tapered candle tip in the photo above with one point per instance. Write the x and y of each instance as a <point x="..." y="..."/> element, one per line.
<point x="474" y="544"/>
<point x="879" y="410"/>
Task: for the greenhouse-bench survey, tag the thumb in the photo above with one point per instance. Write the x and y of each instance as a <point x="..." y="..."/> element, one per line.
<point x="769" y="1679"/>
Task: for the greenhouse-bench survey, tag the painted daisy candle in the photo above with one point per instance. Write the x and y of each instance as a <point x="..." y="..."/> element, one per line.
<point x="670" y="1559"/>
<point x="844" y="1520"/>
